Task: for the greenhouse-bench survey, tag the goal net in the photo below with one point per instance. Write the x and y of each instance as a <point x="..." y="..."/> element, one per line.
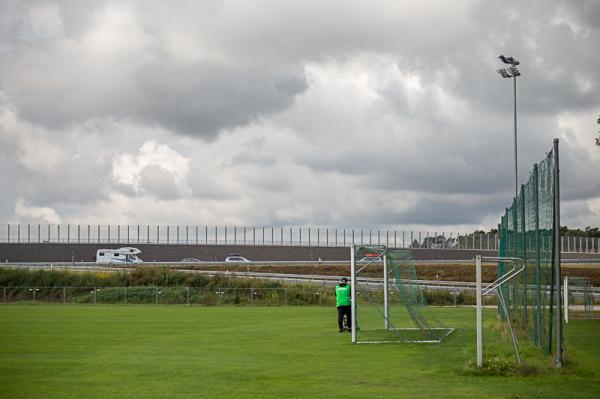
<point x="389" y="304"/>
<point x="578" y="299"/>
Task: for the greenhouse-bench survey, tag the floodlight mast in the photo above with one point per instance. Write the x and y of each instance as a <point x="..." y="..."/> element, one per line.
<point x="598" y="138"/>
<point x="512" y="72"/>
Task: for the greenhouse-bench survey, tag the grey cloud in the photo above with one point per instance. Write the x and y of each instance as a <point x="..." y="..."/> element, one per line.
<point x="429" y="211"/>
<point x="78" y="182"/>
<point x="203" y="99"/>
<point x="159" y="182"/>
<point x="198" y="100"/>
<point x="209" y="184"/>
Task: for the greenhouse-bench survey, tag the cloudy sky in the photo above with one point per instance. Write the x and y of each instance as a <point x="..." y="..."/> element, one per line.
<point x="292" y="113"/>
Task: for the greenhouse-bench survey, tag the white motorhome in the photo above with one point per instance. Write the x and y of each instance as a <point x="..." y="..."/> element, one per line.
<point x="120" y="255"/>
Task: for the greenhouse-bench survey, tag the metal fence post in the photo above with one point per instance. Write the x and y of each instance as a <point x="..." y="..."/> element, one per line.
<point x="454" y="292"/>
<point x="479" y="311"/>
<point x="557" y="271"/>
<point x="125" y="295"/>
<point x="285" y="302"/>
<point x="187" y="300"/>
<point x="64" y="294"/>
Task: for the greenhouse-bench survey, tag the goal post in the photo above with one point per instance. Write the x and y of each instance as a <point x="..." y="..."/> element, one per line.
<point x="388" y="304"/>
<point x="353" y="292"/>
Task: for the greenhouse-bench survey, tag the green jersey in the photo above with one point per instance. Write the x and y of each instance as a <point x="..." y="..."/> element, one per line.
<point x="342" y="295"/>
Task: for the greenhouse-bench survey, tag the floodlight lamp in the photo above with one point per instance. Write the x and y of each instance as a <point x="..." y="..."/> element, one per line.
<point x="503" y="59"/>
<point x="508" y="60"/>
<point x="514" y="71"/>
<point x="503" y="73"/>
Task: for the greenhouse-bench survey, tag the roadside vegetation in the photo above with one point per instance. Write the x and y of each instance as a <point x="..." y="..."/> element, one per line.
<point x="166" y="286"/>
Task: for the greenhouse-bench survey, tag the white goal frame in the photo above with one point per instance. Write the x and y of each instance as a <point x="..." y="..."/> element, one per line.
<point x="386" y="304"/>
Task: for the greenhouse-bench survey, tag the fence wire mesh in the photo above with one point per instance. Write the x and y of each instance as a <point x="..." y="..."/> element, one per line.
<point x="526" y="231"/>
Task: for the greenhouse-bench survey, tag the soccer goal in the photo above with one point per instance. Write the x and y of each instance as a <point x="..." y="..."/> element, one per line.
<point x="388" y="303"/>
<point x="578" y="299"/>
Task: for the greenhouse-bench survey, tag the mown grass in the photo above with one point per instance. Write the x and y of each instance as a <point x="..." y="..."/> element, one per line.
<point x="149" y="351"/>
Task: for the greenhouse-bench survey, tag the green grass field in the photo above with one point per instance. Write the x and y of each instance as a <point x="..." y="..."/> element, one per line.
<point x="143" y="351"/>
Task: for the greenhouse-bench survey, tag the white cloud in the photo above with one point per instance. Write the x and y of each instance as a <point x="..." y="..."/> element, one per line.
<point x="33" y="214"/>
<point x="128" y="168"/>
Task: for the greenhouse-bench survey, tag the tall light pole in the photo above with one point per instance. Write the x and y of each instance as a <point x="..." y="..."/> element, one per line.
<point x="598" y="138"/>
<point x="512" y="72"/>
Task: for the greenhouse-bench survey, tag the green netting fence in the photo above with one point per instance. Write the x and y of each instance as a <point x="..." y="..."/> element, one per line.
<point x="527" y="231"/>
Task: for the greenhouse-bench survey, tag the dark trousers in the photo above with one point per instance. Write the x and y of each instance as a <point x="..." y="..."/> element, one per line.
<point x="344" y="310"/>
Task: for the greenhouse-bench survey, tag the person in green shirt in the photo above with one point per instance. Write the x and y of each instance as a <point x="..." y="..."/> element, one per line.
<point x="343" y="301"/>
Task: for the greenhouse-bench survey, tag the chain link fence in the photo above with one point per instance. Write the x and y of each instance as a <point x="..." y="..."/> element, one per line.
<point x="455" y="295"/>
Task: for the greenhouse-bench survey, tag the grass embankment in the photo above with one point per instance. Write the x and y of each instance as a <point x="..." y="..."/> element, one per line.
<point x="58" y="351"/>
